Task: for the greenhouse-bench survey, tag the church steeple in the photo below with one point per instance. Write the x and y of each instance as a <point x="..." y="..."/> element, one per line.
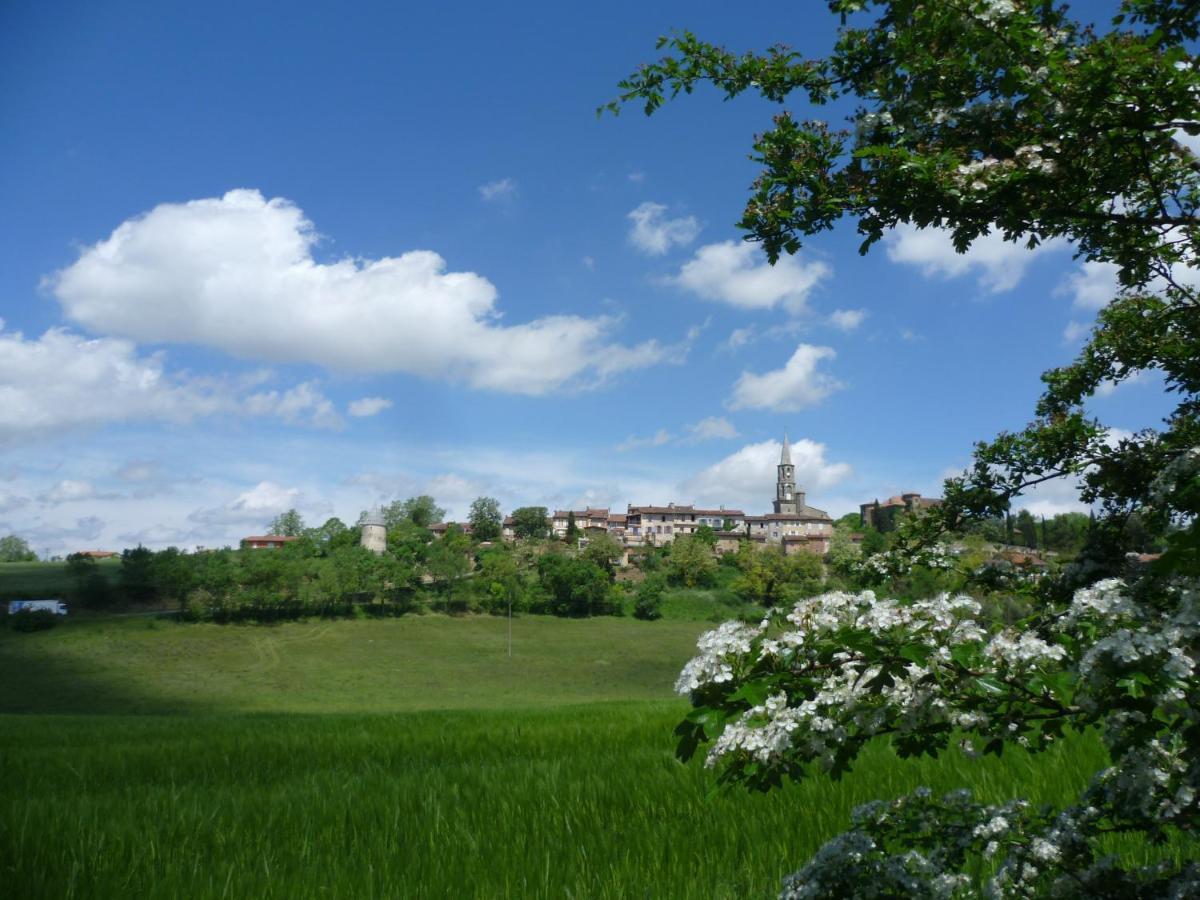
<point x="787" y="499"/>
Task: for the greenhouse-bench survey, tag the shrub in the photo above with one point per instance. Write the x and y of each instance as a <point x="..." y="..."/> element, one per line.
<point x="33" y="620"/>
<point x="649" y="599"/>
<point x="575" y="587"/>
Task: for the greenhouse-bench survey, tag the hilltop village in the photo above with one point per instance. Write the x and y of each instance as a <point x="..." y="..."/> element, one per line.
<point x="791" y="524"/>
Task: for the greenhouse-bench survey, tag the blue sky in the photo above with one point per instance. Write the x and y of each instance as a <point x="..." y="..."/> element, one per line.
<point x="258" y="255"/>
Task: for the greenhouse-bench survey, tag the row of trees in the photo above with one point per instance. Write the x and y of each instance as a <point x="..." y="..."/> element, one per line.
<point x="326" y="572"/>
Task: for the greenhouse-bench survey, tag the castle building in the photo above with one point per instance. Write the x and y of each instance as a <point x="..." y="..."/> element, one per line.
<point x="374" y="532"/>
<point x="883" y="516"/>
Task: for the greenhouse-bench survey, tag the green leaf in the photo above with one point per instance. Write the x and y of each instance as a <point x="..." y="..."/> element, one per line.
<point x="991" y="685"/>
<point x="752" y="692"/>
<point x="916" y="653"/>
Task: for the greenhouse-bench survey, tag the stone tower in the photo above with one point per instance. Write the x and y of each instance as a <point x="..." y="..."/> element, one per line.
<point x="787" y="498"/>
<point x="374" y="532"/>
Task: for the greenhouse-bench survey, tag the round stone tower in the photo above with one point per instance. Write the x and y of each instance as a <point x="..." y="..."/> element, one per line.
<point x="374" y="532"/>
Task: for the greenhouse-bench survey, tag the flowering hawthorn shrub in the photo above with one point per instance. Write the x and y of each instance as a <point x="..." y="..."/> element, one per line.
<point x="810" y="686"/>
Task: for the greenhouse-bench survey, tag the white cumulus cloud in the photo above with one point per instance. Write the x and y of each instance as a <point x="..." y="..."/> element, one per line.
<point x="1000" y="264"/>
<point x="798" y="385"/>
<point x="847" y="319"/>
<point x="1092" y="285"/>
<point x="369" y="406"/>
<point x="255" y="507"/>
<point x="63" y="380"/>
<point x="654" y="234"/>
<point x="303" y="403"/>
<point x="736" y="273"/>
<point x="237" y="273"/>
<point x="747" y="478"/>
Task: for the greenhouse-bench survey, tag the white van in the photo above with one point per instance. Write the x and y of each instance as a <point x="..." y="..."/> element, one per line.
<point x="55" y="606"/>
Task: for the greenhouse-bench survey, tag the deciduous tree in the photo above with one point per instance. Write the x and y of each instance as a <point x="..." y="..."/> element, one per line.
<point x="530" y="522"/>
<point x="15" y="549"/>
<point x="486" y="519"/>
<point x="287" y="524"/>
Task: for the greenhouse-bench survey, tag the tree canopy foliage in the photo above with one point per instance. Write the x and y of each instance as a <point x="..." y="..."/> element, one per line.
<point x="287" y="524"/>
<point x="980" y="117"/>
<point x="486" y="519"/>
<point x="531" y="522"/>
<point x="422" y="510"/>
<point x="14" y="548"/>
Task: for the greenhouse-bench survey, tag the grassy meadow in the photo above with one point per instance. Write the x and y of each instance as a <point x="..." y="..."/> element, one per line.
<point x="401" y="758"/>
<point x="45" y="579"/>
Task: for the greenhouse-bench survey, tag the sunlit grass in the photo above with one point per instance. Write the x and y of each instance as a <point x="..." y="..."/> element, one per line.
<point x="573" y="802"/>
<point x="404" y="758"/>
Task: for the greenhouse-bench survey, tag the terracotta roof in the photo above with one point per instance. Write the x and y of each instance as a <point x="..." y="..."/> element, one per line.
<point x="810" y="513"/>
<point x="729" y="513"/>
<point x="1021" y="558"/>
<point x="636" y="510"/>
<point x="581" y="513"/>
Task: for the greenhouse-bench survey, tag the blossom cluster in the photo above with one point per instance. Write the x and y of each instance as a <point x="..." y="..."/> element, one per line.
<point x="1029" y="158"/>
<point x="890" y="563"/>
<point x="813" y="683"/>
<point x="1178" y="477"/>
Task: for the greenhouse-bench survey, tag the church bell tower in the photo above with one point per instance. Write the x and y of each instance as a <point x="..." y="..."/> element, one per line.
<point x="787" y="499"/>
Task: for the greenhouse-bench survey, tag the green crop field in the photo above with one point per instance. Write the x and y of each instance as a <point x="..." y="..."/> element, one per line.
<point x="401" y="758"/>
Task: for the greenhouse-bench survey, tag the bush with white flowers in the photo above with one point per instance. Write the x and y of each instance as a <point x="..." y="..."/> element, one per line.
<point x="809" y="686"/>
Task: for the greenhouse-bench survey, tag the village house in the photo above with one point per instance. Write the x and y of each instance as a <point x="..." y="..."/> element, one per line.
<point x="882" y="516"/>
<point x="266" y="542"/>
<point x="792" y="523"/>
<point x="662" y="524"/>
<point x="584" y="518"/>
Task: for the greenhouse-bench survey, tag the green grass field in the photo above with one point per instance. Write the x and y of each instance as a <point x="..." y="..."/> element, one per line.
<point x="401" y="758"/>
<point x="44" y="579"/>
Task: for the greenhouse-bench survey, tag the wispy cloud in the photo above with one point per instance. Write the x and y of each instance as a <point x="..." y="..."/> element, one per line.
<point x="654" y="234"/>
<point x="369" y="406"/>
<point x="501" y="189"/>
